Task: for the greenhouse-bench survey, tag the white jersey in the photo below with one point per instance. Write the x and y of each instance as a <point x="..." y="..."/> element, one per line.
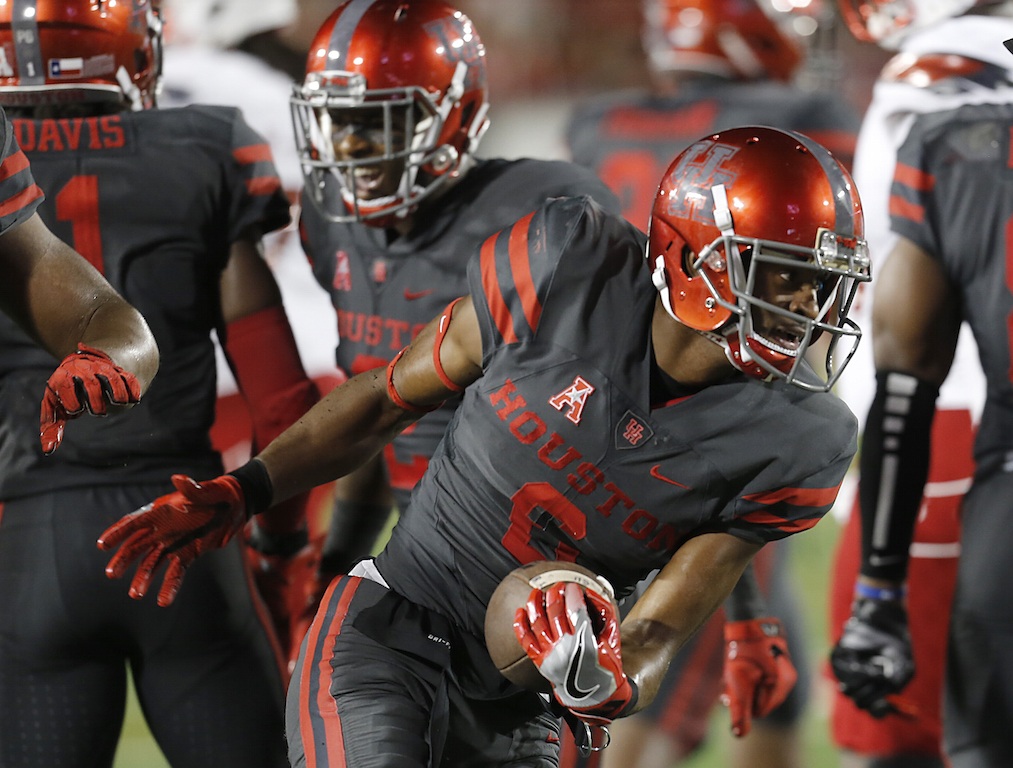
<point x="884" y="127"/>
<point x="195" y="74"/>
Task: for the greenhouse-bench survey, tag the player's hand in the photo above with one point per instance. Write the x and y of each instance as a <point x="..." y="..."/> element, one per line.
<point x="174" y="529"/>
<point x="576" y="649"/>
<point x="758" y="674"/>
<point x="86" y="380"/>
<point x="873" y="659"/>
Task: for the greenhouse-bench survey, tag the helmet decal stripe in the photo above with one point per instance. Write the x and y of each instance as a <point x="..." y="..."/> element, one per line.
<point x="26" y="43"/>
<point x="843" y="194"/>
<point x="348" y="22"/>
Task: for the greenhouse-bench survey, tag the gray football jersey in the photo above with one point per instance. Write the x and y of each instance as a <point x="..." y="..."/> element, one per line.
<point x="565" y="448"/>
<point x="153" y="199"/>
<point x="386" y="288"/>
<point x="952" y="195"/>
<point x="629" y="139"/>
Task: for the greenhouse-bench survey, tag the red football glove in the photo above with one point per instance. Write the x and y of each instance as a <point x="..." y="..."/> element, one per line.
<point x="86" y="380"/>
<point x="288" y="586"/>
<point x="759" y="673"/>
<point x="577" y="653"/>
<point x="176" y="529"/>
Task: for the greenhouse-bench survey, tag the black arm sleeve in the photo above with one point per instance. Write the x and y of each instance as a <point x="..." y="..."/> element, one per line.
<point x="746" y="600"/>
<point x="894" y="465"/>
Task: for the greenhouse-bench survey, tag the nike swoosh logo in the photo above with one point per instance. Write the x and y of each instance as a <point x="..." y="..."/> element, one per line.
<point x="412" y="295"/>
<point x="656" y="473"/>
<point x="573" y="673"/>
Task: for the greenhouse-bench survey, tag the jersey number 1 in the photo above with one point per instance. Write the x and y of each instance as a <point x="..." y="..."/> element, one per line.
<point x="77" y="203"/>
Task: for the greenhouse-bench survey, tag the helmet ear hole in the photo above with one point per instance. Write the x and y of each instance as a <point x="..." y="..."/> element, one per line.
<point x="688" y="257"/>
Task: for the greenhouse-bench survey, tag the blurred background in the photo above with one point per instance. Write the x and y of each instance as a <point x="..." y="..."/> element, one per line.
<point x="544" y="57"/>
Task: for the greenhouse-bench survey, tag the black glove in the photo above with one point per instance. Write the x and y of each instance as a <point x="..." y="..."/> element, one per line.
<point x="873" y="658"/>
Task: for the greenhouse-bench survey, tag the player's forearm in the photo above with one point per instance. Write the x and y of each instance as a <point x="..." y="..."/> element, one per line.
<point x="687" y="592"/>
<point x="340" y="433"/>
<point x="121" y="332"/>
<point x="894" y="466"/>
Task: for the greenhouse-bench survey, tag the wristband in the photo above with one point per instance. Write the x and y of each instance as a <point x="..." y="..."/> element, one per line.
<point x="881" y="593"/>
<point x="634" y="695"/>
<point x="256" y="486"/>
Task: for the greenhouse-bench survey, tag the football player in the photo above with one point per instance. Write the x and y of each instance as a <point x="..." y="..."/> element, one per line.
<point x="714" y="64"/>
<point x="170" y="206"/>
<point x="108" y="356"/>
<point x="933" y="165"/>
<point x="623" y="412"/>
<point x="394" y="202"/>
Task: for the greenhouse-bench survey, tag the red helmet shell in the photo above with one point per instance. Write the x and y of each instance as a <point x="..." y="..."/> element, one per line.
<point x="59" y="51"/>
<point x="781" y="188"/>
<point x="399" y="45"/>
<point x="732" y="38"/>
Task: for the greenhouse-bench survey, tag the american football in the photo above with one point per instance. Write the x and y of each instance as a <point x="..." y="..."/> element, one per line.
<point x="511" y="594"/>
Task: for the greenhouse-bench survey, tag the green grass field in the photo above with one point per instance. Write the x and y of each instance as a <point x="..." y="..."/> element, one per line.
<point x="811" y="559"/>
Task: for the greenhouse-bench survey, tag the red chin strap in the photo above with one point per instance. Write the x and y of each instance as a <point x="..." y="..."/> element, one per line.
<point x="733" y="350"/>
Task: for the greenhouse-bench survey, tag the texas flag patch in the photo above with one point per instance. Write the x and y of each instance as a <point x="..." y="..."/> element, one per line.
<point x="66" y="67"/>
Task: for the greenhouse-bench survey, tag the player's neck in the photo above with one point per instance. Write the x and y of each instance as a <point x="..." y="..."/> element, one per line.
<point x="684" y="355"/>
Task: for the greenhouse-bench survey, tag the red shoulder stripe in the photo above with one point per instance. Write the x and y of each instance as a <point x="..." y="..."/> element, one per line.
<point x="796" y="497"/>
<point x="791" y="526"/>
<point x="906" y="210"/>
<point x="253" y="153"/>
<point x="493" y="295"/>
<point x="263" y="185"/>
<point x="913" y="177"/>
<point x="21" y="200"/>
<point x="13" y="164"/>
<point x="520" y="267"/>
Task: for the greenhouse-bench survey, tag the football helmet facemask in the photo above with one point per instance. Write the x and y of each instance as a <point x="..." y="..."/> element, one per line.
<point x="411" y="78"/>
<point x="70" y="51"/>
<point x="756" y="241"/>
<point x="737" y="39"/>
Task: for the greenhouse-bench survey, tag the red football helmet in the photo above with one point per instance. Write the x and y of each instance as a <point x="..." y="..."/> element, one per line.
<point x="887" y="22"/>
<point x="742" y="205"/>
<point x="66" y="51"/>
<point x="740" y="39"/>
<point x="421" y="67"/>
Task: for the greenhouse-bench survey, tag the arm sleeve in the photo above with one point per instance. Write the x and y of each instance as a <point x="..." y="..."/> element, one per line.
<point x="894" y="466"/>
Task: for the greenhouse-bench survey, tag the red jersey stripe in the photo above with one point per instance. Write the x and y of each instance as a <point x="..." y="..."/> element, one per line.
<point x="318" y="662"/>
<point x="493" y="295"/>
<point x="520" y="267"/>
<point x="913" y="177"/>
<point x="14" y="164"/>
<point x="254" y="153"/>
<point x="263" y="185"/>
<point x="906" y="210"/>
<point x="797" y="497"/>
<point x="24" y="198"/>
<point x="791" y="526"/>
